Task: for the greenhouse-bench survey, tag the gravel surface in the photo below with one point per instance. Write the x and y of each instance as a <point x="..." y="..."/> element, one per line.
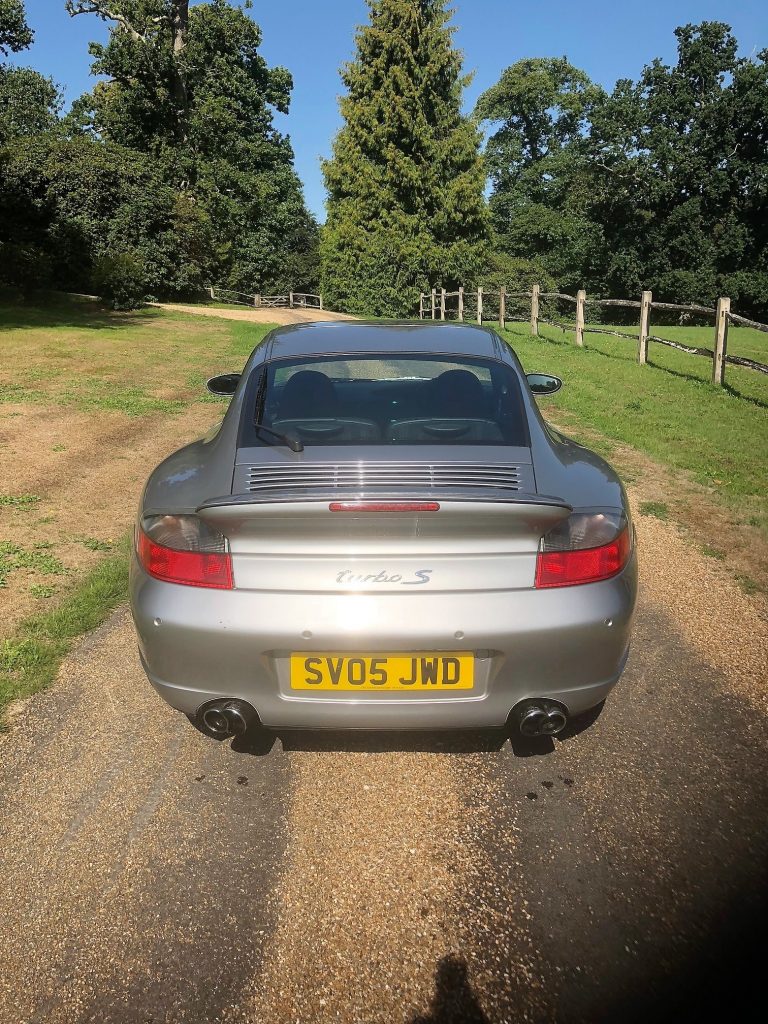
<point x="138" y="857"/>
<point x="152" y="875"/>
<point x="374" y="862"/>
<point x="728" y="629"/>
<point x="269" y="315"/>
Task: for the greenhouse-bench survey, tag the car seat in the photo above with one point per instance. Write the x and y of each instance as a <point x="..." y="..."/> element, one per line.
<point x="456" y="394"/>
<point x="308" y="394"/>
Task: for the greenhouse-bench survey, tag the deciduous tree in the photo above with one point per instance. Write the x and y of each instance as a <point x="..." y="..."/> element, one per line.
<point x="29" y="105"/>
<point x="536" y="158"/>
<point x="189" y="88"/>
<point x="680" y="169"/>
<point x="660" y="184"/>
<point x="15" y="33"/>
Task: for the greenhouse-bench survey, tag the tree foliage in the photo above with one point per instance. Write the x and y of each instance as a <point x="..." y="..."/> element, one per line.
<point x="405" y="182"/>
<point x="15" y="33"/>
<point x="190" y="89"/>
<point x="661" y="184"/>
<point x="537" y="166"/>
<point x="681" y="160"/>
<point x="169" y="175"/>
<point x="29" y="105"/>
<point x="29" y="102"/>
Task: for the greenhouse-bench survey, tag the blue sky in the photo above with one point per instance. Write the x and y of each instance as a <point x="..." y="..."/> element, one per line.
<point x="609" y="39"/>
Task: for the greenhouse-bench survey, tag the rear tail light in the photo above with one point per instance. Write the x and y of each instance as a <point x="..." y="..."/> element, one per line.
<point x="585" y="548"/>
<point x="183" y="549"/>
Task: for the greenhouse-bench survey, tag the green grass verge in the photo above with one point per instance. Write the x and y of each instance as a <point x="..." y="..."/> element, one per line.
<point x="668" y="409"/>
<point x="77" y="354"/>
<point x="30" y="658"/>
<point x="657" y="509"/>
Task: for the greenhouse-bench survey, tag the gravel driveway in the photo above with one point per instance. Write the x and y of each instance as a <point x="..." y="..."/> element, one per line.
<point x="268" y="315"/>
<point x="152" y="875"/>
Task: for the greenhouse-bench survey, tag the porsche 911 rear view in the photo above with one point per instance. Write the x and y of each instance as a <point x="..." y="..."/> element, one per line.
<point x="383" y="534"/>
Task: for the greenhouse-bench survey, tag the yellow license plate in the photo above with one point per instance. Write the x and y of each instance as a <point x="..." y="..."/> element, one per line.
<point x="424" y="671"/>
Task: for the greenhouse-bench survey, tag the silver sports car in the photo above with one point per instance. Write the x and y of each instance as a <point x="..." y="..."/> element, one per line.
<point x="383" y="533"/>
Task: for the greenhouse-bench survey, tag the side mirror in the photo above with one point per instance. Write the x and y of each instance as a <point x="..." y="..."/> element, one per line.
<point x="224" y="384"/>
<point x="543" y="383"/>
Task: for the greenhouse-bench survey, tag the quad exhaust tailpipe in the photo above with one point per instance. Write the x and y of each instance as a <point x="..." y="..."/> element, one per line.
<point x="540" y="717"/>
<point x="229" y="717"/>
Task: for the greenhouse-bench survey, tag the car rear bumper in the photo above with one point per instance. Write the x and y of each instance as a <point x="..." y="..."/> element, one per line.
<point x="568" y="644"/>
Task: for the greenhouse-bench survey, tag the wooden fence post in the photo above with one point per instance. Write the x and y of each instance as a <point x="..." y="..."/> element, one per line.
<point x="421" y="305"/>
<point x="321" y="301"/>
<point x="461" y="304"/>
<point x="433" y="303"/>
<point x="646" y="299"/>
<point x="290" y="300"/>
<point x="211" y="291"/>
<point x="502" y="306"/>
<point x="479" y="305"/>
<point x="721" y="340"/>
<point x="442" y="303"/>
<point x="257" y="300"/>
<point x="535" y="310"/>
<point x="580" y="298"/>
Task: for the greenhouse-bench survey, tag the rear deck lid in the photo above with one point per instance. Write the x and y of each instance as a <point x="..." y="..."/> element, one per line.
<point x="328" y="526"/>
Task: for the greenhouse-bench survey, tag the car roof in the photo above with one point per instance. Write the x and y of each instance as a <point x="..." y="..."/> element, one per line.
<point x="361" y="337"/>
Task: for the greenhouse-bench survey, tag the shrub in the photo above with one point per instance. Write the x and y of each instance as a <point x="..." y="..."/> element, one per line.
<point x="120" y="279"/>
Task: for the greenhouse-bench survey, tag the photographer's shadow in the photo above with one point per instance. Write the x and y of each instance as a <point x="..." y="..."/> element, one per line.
<point x="454" y="1002"/>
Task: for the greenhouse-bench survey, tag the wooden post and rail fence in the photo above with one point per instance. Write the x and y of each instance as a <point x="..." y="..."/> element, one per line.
<point x="436" y="305"/>
<point x="292" y="300"/>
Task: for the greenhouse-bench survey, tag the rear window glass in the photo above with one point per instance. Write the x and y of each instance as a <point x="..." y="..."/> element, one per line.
<point x="378" y="400"/>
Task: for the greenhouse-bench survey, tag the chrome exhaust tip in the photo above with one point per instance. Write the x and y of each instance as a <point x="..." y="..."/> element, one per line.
<point x="540" y="718"/>
<point x="223" y="718"/>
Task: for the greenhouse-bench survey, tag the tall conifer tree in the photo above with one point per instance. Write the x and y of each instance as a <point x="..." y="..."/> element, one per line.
<point x="406" y="209"/>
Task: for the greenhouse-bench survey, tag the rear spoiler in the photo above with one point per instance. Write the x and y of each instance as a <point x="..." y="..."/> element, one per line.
<point x="465" y="494"/>
<point x="455" y="512"/>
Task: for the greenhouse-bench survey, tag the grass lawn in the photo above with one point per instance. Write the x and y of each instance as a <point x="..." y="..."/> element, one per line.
<point x="80" y="356"/>
<point x="30" y="658"/>
<point x="90" y="400"/>
<point x="668" y="409"/>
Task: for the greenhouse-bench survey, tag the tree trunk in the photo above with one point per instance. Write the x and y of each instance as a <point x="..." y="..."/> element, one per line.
<point x="179" y="28"/>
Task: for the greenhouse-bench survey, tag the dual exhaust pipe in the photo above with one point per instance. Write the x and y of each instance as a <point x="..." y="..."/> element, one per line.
<point x="233" y="717"/>
<point x="227" y="717"/>
<point x="540" y="717"/>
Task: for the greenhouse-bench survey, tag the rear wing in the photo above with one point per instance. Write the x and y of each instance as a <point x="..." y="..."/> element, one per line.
<point x="313" y="521"/>
<point x="285" y="495"/>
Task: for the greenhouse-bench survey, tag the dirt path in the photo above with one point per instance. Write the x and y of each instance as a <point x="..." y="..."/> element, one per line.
<point x="258" y="316"/>
<point x="103" y="396"/>
<point x="150" y="874"/>
<point x="91" y="487"/>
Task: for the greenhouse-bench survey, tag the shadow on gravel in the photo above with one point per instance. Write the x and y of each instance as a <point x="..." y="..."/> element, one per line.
<point x="539" y="746"/>
<point x="722" y="981"/>
<point x="454" y="1002"/>
<point x="260" y="742"/>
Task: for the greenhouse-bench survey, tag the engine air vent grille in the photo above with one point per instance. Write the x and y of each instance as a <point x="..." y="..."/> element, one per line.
<point x="393" y="476"/>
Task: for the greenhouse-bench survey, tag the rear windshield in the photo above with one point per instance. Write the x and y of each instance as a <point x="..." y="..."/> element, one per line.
<point x="377" y="400"/>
